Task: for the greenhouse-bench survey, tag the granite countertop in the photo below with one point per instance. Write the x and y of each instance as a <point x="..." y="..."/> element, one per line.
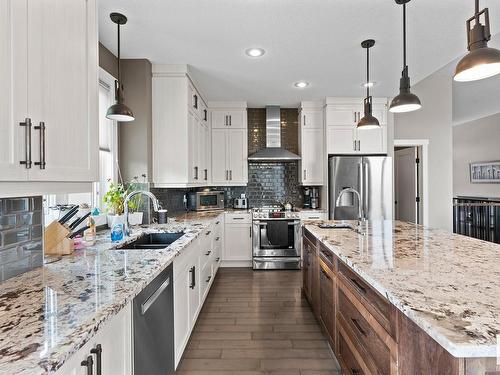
<point x="448" y="284"/>
<point x="47" y="314"/>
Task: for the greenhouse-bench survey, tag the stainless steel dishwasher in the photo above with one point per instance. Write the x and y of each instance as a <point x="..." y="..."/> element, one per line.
<point x="154" y="327"/>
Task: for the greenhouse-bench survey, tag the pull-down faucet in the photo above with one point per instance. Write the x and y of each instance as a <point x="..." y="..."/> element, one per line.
<point x="361" y="215"/>
<point x="154" y="200"/>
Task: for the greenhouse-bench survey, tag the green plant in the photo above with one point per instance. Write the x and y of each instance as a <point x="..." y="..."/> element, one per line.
<point x="114" y="198"/>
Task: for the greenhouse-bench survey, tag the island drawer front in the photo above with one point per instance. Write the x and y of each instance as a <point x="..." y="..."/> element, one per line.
<point x="327" y="257"/>
<point x="310" y="237"/>
<point x="327" y="301"/>
<point x="365" y="334"/>
<point x="378" y="305"/>
<point x="350" y="365"/>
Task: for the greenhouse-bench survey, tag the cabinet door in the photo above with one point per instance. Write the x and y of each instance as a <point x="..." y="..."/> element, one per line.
<point x="372" y="141"/>
<point x="181" y="313"/>
<point x="343" y="115"/>
<point x="208" y="153"/>
<point x="312" y="119"/>
<point x="312" y="156"/>
<point x="202" y="152"/>
<point x="194" y="292"/>
<point x="237" y="119"/>
<point x="238" y="242"/>
<point x="194" y="148"/>
<point x="13" y="100"/>
<point x="327" y="307"/>
<point x="63" y="88"/>
<point x="341" y="140"/>
<point x="219" y="156"/>
<point x="237" y="156"/>
<point x="219" y="120"/>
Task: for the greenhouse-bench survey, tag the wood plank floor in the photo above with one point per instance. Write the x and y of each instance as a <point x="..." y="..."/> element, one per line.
<point x="256" y="323"/>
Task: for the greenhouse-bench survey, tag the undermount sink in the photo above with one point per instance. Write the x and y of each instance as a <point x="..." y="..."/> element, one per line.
<point x="152" y="241"/>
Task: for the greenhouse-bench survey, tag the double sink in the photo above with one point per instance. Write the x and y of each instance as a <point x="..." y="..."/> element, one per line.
<point x="152" y="241"/>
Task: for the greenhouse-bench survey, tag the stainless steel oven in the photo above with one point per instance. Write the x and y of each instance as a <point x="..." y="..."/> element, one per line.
<point x="206" y="200"/>
<point x="276" y="243"/>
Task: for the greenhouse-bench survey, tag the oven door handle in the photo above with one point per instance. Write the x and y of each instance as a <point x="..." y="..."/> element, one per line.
<point x="264" y="223"/>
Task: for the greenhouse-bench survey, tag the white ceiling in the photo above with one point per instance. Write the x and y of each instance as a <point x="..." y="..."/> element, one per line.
<point x="313" y="40"/>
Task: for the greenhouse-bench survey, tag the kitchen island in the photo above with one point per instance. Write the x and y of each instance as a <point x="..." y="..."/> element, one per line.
<point x="400" y="298"/>
<point x="48" y="314"/>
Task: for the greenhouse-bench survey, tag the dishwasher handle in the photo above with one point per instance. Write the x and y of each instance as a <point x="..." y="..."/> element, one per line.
<point x="153" y="297"/>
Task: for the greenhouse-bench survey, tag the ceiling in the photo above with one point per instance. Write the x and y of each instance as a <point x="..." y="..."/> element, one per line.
<point x="313" y="40"/>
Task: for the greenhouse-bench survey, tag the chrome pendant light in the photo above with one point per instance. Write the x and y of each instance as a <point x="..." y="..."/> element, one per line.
<point x="119" y="111"/>
<point x="481" y="61"/>
<point x="405" y="101"/>
<point x="368" y="121"/>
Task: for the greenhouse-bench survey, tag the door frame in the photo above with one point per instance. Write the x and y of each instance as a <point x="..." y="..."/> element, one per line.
<point x="424" y="175"/>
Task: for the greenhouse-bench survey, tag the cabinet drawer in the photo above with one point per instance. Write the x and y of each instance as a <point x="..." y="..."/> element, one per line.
<point x="205" y="279"/>
<point x="347" y="359"/>
<point x="327" y="257"/>
<point x="235" y="218"/>
<point x="327" y="301"/>
<point x="378" y="353"/>
<point x="312" y="216"/>
<point x="378" y="305"/>
<point x="308" y="235"/>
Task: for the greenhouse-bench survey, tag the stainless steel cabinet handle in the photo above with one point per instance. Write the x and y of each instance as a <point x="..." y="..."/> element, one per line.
<point x="227" y="175"/>
<point x="98" y="352"/>
<point x="208" y="233"/>
<point x="89" y="364"/>
<point x="195" y="173"/>
<point x="193" y="277"/>
<point x="208" y="252"/>
<point x="230" y="120"/>
<point x="208" y="279"/>
<point x="206" y="174"/>
<point x="42" y="163"/>
<point x="230" y="175"/>
<point x="354" y="145"/>
<point x="195" y="105"/>
<point x="238" y="218"/>
<point x="358" y="327"/>
<point x="227" y="120"/>
<point x="217" y="238"/>
<point x="153" y="297"/>
<point x="305" y="174"/>
<point x="359" y="145"/>
<point x="250" y="232"/>
<point x="27" y="143"/>
<point x="304" y="120"/>
<point x="205" y="115"/>
<point x="217" y="259"/>
<point x="354" y="116"/>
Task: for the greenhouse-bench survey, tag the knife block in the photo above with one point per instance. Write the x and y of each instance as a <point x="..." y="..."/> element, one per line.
<point x="56" y="241"/>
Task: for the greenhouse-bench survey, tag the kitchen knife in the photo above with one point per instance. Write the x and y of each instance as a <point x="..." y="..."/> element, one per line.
<point x="79" y="231"/>
<point x="78" y="221"/>
<point x="69" y="215"/>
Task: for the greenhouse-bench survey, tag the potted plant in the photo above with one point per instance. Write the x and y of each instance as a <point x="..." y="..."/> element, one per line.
<point x="136" y="203"/>
<point x="114" y="199"/>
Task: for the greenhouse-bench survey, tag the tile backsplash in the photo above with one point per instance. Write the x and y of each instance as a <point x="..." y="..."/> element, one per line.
<point x="21" y="235"/>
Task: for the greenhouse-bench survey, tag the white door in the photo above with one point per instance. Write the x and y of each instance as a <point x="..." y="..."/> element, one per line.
<point x="219" y="156"/>
<point x="238" y="242"/>
<point x="341" y="140"/>
<point x="237" y="119"/>
<point x="237" y="156"/>
<point x="219" y="119"/>
<point x="312" y="119"/>
<point x="343" y="115"/>
<point x="13" y="99"/>
<point x="208" y="152"/>
<point x="372" y="141"/>
<point x="312" y="156"/>
<point x="405" y="173"/>
<point x="181" y="313"/>
<point x="63" y="88"/>
<point x="194" y="292"/>
<point x="202" y="152"/>
<point x="193" y="125"/>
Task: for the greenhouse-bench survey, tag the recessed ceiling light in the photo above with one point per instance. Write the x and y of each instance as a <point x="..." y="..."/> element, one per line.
<point x="255" y="52"/>
<point x="369" y="84"/>
<point x="301" y="84"/>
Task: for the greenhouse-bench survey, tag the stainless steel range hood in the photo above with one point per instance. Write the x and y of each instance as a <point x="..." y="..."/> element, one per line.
<point x="273" y="150"/>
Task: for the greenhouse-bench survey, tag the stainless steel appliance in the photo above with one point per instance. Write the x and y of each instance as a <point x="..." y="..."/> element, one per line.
<point x="314" y="198"/>
<point x="275" y="239"/>
<point x="153" y="326"/>
<point x="241" y="203"/>
<point x="205" y="200"/>
<point x="371" y="177"/>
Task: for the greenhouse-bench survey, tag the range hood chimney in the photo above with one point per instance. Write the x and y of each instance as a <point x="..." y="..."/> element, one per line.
<point x="273" y="150"/>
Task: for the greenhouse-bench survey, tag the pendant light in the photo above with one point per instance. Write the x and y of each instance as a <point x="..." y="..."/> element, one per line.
<point x="368" y="121"/>
<point x="481" y="61"/>
<point x="119" y="111"/>
<point x="405" y="101"/>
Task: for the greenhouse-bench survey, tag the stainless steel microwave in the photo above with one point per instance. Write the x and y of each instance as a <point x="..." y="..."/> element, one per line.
<point x="206" y="200"/>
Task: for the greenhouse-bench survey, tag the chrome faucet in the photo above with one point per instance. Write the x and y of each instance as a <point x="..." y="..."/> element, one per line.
<point x="361" y="215"/>
<point x="154" y="200"/>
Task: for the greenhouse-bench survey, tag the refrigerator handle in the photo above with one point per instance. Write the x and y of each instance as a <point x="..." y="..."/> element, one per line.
<point x="366" y="178"/>
<point x="361" y="188"/>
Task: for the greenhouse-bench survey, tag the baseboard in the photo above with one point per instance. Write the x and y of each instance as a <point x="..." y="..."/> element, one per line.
<point x="236" y="263"/>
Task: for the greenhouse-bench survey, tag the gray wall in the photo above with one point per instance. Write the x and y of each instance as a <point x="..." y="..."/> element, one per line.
<point x="21" y="247"/>
<point x="135" y="138"/>
<point x="108" y="61"/>
<point x="472" y="142"/>
<point x="434" y="122"/>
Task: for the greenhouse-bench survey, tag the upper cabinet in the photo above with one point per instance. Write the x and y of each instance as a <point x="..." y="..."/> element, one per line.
<point x="49" y="105"/>
<point x="342" y="116"/>
<point x="181" y="130"/>
<point x="311" y="144"/>
<point x="229" y="144"/>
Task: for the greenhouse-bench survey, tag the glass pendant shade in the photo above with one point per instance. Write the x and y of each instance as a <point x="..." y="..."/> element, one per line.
<point x="368" y="121"/>
<point x="481" y="61"/>
<point x="119" y="111"/>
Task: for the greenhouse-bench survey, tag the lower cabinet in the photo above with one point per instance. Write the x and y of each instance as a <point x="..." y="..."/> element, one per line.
<point x="108" y="352"/>
<point x="237" y="239"/>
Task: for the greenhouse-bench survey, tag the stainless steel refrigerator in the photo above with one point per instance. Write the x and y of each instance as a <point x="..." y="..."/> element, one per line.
<point x="371" y="177"/>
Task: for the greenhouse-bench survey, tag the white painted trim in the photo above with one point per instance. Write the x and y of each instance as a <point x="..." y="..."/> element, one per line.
<point x="345" y="101"/>
<point x="424" y="143"/>
<point x="227" y="105"/>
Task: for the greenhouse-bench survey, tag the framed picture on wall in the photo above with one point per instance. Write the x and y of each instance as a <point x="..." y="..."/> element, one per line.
<point x="485" y="172"/>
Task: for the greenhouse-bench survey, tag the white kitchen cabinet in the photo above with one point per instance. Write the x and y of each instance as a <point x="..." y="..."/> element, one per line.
<point x="229" y="156"/>
<point x="56" y="87"/>
<point x="234" y="119"/>
<point x="115" y="338"/>
<point x="237" y="249"/>
<point x="311" y="145"/>
<point x="342" y="116"/>
<point x="311" y="119"/>
<point x="181" y="312"/>
<point x="181" y="136"/>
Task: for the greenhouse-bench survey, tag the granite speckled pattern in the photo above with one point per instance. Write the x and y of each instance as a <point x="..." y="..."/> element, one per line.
<point x="448" y="284"/>
<point x="47" y="314"/>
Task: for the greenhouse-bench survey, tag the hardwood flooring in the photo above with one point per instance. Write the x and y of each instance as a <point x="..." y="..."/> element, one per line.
<point x="256" y="323"/>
